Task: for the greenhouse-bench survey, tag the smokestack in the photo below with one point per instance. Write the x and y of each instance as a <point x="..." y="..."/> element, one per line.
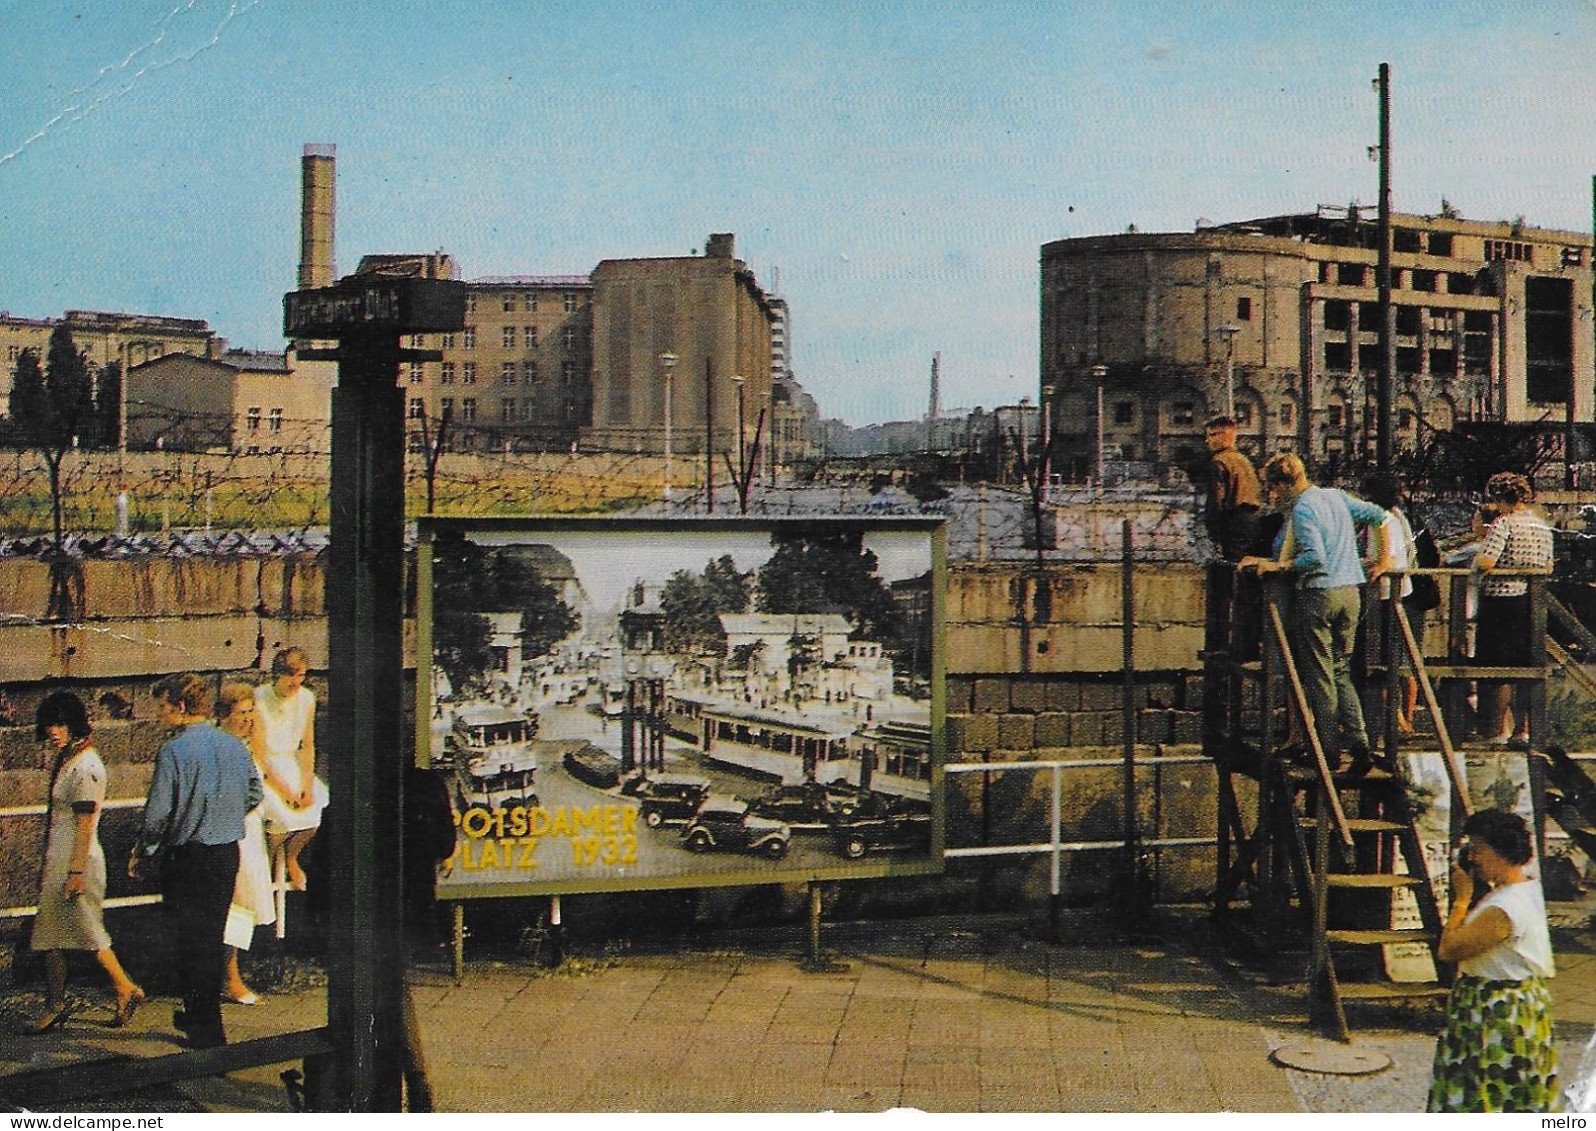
<point x="317" y="183"/>
<point x="936" y="402"/>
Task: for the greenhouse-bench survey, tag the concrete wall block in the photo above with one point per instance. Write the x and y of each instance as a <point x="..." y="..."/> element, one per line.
<point x="1158" y="693"/>
<point x="1016" y="732"/>
<point x="1101" y="696"/>
<point x="1063" y="695"/>
<point x="1113" y="727"/>
<point x="1191" y="698"/>
<point x="1186" y="726"/>
<point x="961" y="694"/>
<point x="1053" y="729"/>
<point x="991" y="696"/>
<point x="1086" y="728"/>
<point x="1152" y="725"/>
<point x="972" y="732"/>
<point x="1029" y="695"/>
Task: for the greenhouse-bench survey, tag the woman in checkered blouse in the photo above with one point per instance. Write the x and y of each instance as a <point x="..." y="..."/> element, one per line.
<point x="1519" y="539"/>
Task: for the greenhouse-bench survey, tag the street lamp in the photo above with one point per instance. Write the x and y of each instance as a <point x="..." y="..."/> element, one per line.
<point x="1229" y="332"/>
<point x="1099" y="374"/>
<point x="668" y="363"/>
<point x="1046" y="429"/>
<point x="742" y="455"/>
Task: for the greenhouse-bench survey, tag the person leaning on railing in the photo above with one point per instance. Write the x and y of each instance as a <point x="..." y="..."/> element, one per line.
<point x="1519" y="539"/>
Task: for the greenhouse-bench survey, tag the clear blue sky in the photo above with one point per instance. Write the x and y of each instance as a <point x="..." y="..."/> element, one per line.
<point x="901" y="163"/>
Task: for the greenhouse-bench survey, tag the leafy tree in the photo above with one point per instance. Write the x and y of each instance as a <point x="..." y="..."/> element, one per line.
<point x="828" y="572"/>
<point x="108" y="406"/>
<point x="27" y="396"/>
<point x="692" y="605"/>
<point x="470" y="580"/>
<point x="52" y="420"/>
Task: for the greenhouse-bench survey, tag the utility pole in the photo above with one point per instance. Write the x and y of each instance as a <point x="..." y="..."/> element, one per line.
<point x="1387" y="379"/>
<point x="709" y="435"/>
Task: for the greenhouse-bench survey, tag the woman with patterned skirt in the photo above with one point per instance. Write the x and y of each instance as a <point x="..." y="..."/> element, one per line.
<point x="1496" y="1052"/>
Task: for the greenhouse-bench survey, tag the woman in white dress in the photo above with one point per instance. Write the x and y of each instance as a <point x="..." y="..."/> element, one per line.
<point x="253" y="905"/>
<point x="285" y="752"/>
<point x="72" y="891"/>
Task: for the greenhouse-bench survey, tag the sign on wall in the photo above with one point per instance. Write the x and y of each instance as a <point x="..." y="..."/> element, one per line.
<point x="623" y="704"/>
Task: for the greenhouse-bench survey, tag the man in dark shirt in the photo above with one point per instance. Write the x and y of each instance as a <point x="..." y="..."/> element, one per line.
<point x="204" y="783"/>
<point x="1233" y="494"/>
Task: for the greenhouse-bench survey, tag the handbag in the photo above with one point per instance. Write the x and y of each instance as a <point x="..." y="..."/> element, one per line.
<point x="1426" y="593"/>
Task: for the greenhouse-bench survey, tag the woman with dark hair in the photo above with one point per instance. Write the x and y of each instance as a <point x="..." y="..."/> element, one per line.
<point x="1496" y="1052"/>
<point x="1519" y="539"/>
<point x="72" y="891"/>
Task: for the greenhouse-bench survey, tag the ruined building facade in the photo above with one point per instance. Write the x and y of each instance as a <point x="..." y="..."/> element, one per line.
<point x="1493" y="322"/>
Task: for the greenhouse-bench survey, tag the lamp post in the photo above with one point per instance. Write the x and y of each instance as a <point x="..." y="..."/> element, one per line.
<point x="1099" y="373"/>
<point x="1046" y="457"/>
<point x="1229" y="332"/>
<point x="742" y="455"/>
<point x="667" y="362"/>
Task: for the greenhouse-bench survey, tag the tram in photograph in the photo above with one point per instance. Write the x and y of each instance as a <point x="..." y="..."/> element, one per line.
<point x="495" y="762"/>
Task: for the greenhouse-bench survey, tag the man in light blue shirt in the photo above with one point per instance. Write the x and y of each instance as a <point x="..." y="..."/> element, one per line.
<point x="1321" y="551"/>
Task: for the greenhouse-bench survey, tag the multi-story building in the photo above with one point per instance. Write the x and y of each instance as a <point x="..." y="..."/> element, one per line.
<point x="516" y="377"/>
<point x="128" y="339"/>
<point x="242" y="401"/>
<point x="710" y="315"/>
<point x="1145" y="336"/>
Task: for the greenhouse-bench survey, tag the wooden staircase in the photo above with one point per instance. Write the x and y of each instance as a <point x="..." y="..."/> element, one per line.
<point x="1331" y="849"/>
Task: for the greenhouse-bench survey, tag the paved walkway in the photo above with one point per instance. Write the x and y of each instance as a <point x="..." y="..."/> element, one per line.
<point x="938" y="1014"/>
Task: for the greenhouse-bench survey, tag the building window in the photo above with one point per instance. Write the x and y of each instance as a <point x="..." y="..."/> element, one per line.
<point x="468" y="409"/>
<point x="448" y="341"/>
<point x="531" y="300"/>
<point x="1244" y="415"/>
<point x="567" y="371"/>
<point x="274" y="420"/>
<point x="570" y="303"/>
<point x="418" y="341"/>
<point x="1181" y="413"/>
<point x="1124" y="412"/>
<point x="446" y="407"/>
<point x="471" y="302"/>
<point x="468" y="373"/>
<point x="1337" y="315"/>
<point x="1287" y="414"/>
<point x="1244" y="309"/>
<point x="529" y="372"/>
<point x="507" y="372"/>
<point x="507" y="410"/>
<point x="530" y="333"/>
<point x="509" y="303"/>
<point x="1337" y="416"/>
<point x="569" y="336"/>
<point x="508" y="338"/>
<point x="470" y="336"/>
<point x="448" y="373"/>
<point x="418" y="408"/>
<point x="252" y="418"/>
<point x="415" y="373"/>
<point x="1350" y="274"/>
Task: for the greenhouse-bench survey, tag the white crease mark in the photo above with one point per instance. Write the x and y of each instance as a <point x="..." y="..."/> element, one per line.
<point x="70" y="115"/>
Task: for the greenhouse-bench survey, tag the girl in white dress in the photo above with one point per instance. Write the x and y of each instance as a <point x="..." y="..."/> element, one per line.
<point x="253" y="905"/>
<point x="285" y="752"/>
<point x="72" y="891"/>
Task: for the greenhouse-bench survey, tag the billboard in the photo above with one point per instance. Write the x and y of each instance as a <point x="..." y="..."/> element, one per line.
<point x="620" y="704"/>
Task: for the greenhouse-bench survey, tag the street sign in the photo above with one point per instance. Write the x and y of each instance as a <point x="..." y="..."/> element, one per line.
<point x="362" y="304"/>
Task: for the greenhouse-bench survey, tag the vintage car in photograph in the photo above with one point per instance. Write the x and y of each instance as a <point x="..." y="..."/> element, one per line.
<point x="598" y="768"/>
<point x="807" y="806"/>
<point x="725" y="824"/>
<point x="668" y="799"/>
<point x="882" y="828"/>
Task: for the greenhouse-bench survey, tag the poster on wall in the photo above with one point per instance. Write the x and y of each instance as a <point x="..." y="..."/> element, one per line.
<point x="621" y="704"/>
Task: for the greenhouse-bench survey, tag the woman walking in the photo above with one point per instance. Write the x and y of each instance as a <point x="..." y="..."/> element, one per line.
<point x="1496" y="1052"/>
<point x="72" y="891"/>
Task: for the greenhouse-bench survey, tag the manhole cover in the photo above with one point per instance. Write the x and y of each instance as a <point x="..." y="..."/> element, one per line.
<point x="1331" y="1058"/>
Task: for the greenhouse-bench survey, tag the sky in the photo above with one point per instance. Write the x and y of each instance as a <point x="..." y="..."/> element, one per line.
<point x="901" y="164"/>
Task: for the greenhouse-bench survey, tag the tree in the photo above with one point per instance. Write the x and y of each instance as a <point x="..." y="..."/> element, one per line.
<point x="828" y="572"/>
<point x="691" y="605"/>
<point x="52" y="420"/>
<point x="108" y="406"/>
<point x="27" y="396"/>
<point x="470" y="580"/>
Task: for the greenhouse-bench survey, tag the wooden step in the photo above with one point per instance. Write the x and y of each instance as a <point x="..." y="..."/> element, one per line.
<point x="1380" y="936"/>
<point x="1357" y="824"/>
<point x="1303" y="775"/>
<point x="1391" y="991"/>
<point x="1370" y="880"/>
